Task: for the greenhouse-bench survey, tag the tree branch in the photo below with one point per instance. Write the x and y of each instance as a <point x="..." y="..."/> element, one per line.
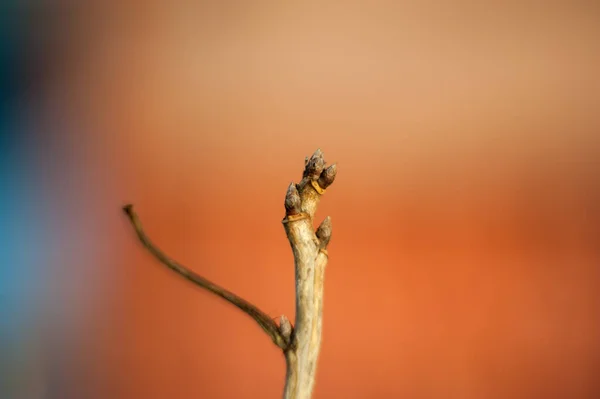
<point x="280" y="339"/>
<point x="300" y="344"/>
<point x="310" y="258"/>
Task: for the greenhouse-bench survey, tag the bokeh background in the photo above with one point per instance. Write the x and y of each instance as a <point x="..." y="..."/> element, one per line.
<point x="465" y="260"/>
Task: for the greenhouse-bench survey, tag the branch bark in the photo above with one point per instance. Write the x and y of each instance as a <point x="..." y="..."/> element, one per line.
<point x="300" y="344"/>
<point x="310" y="257"/>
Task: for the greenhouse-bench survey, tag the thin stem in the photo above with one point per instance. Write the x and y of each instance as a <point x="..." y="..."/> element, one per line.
<point x="263" y="320"/>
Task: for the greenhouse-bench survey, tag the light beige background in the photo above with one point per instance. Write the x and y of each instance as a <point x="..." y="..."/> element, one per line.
<point x="464" y="261"/>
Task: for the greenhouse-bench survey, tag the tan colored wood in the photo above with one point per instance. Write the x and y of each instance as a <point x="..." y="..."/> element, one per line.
<point x="300" y="343"/>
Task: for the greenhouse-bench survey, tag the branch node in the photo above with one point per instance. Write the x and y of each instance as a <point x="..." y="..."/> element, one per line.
<point x="293" y="218"/>
<point x="317" y="187"/>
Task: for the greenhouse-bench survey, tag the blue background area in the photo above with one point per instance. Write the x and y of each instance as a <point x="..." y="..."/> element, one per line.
<point x="21" y="226"/>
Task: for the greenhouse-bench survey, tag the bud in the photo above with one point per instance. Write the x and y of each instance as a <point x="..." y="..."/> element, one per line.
<point x="324" y="232"/>
<point x="292" y="200"/>
<point x="315" y="165"/>
<point x="328" y="176"/>
<point x="285" y="327"/>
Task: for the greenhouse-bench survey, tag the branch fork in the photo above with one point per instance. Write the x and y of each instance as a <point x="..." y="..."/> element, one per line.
<point x="300" y="342"/>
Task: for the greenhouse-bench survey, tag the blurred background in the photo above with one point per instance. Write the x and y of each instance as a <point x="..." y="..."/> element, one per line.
<point x="464" y="262"/>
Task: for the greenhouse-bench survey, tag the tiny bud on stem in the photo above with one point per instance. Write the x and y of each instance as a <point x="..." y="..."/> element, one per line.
<point x="285" y="327"/>
<point x="328" y="176"/>
<point x="324" y="232"/>
<point x="292" y="200"/>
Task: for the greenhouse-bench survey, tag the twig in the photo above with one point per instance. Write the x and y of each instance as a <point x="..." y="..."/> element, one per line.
<point x="264" y="320"/>
<point x="310" y="258"/>
<point x="300" y="343"/>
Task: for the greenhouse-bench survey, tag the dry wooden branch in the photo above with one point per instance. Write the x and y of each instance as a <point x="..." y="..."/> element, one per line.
<point x="310" y="256"/>
<point x="263" y="320"/>
<point x="300" y="344"/>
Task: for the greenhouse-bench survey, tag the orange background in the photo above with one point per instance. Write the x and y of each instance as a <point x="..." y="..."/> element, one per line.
<point x="464" y="261"/>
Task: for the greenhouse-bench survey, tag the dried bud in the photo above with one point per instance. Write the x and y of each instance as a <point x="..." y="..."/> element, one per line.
<point x="328" y="176"/>
<point x="285" y="327"/>
<point x="315" y="165"/>
<point x="324" y="232"/>
<point x="292" y="200"/>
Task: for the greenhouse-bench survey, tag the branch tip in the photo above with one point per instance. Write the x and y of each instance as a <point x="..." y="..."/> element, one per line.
<point x="328" y="176"/>
<point x="315" y="165"/>
<point x="128" y="209"/>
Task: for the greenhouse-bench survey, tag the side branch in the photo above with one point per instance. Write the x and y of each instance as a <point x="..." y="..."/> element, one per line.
<point x="280" y="339"/>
